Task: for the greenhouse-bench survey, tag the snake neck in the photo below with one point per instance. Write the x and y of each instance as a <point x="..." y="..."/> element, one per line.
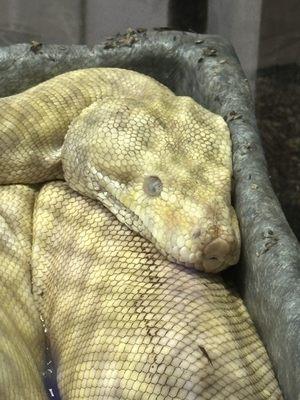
<point x="33" y="124"/>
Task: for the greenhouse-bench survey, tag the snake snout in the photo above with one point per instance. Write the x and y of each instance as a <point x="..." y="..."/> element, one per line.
<point x="215" y="253"/>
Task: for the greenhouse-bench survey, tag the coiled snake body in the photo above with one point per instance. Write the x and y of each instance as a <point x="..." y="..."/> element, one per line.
<point x="124" y="322"/>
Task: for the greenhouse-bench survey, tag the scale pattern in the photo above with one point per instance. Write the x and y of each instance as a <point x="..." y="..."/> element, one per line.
<point x="21" y="335"/>
<point x="125" y="323"/>
<point x="106" y="132"/>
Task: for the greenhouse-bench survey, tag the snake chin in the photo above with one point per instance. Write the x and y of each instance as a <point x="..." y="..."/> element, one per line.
<point x="213" y="257"/>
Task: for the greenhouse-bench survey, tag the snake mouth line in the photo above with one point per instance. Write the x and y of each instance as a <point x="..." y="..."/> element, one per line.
<point x="214" y="258"/>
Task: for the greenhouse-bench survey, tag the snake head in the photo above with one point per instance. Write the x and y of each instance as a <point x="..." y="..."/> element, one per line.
<point x="163" y="166"/>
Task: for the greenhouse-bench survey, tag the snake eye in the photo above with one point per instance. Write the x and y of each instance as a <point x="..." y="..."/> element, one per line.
<point x="152" y="186"/>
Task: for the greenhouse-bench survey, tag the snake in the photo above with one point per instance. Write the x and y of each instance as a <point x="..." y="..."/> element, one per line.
<point x="115" y="221"/>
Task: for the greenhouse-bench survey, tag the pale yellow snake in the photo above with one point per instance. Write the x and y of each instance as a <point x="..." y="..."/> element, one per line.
<point x="124" y="322"/>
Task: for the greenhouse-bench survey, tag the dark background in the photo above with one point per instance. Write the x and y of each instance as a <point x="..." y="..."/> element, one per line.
<point x="265" y="34"/>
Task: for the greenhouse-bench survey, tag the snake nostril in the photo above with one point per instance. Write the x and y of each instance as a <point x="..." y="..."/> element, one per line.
<point x="197" y="233"/>
<point x="218" y="249"/>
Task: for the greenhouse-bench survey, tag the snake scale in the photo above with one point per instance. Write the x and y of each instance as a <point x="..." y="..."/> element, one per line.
<point x="130" y="310"/>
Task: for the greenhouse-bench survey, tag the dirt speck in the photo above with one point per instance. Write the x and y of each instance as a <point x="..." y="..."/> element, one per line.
<point x="36" y="46"/>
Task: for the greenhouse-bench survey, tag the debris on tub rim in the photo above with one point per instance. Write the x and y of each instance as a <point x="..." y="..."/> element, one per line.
<point x="126" y="39"/>
<point x="36" y="46"/>
<point x="231" y="116"/>
<point x="209" y="52"/>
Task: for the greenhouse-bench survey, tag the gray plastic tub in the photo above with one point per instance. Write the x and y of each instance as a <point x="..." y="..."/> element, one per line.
<point x="207" y="69"/>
